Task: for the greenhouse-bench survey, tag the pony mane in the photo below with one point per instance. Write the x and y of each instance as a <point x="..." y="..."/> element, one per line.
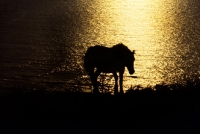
<point x="121" y="46"/>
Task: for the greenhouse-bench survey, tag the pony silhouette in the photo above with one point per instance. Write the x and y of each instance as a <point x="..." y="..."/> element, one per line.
<point x="108" y="60"/>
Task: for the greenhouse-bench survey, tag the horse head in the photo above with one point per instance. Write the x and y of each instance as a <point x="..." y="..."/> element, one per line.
<point x="130" y="62"/>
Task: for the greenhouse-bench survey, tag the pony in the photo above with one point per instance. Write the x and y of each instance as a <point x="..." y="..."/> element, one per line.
<point x="109" y="60"/>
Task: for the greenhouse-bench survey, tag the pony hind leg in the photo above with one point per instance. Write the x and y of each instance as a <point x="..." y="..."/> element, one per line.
<point x="95" y="83"/>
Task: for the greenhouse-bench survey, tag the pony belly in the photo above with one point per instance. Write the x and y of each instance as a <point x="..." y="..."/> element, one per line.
<point x="108" y="69"/>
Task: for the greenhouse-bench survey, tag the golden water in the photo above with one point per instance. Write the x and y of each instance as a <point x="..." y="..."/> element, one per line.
<point x="44" y="42"/>
<point x="165" y="35"/>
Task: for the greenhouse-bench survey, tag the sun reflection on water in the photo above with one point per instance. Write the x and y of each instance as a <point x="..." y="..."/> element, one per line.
<point x="161" y="32"/>
<point x="158" y="30"/>
<point x="145" y="26"/>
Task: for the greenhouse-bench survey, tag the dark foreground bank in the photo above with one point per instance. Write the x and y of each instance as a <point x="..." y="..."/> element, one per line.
<point x="135" y="112"/>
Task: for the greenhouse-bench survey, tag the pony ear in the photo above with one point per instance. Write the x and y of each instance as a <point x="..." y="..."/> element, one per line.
<point x="133" y="51"/>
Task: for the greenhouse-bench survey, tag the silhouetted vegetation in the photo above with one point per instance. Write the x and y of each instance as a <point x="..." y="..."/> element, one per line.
<point x="162" y="108"/>
<point x="177" y="87"/>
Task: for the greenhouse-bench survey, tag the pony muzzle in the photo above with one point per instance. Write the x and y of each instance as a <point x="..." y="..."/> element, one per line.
<point x="132" y="72"/>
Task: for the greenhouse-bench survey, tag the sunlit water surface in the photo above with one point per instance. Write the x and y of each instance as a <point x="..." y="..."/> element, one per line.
<point x="43" y="43"/>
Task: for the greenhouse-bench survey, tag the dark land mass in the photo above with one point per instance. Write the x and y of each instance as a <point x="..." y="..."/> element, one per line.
<point x="143" y="111"/>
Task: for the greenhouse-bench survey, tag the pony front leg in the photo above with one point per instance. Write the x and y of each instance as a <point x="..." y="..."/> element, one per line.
<point x="116" y="83"/>
<point x="121" y="82"/>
